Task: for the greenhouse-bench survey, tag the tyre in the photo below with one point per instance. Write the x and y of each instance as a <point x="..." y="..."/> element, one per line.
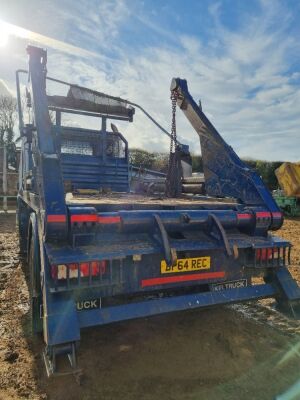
<point x="35" y="291"/>
<point x="22" y="220"/>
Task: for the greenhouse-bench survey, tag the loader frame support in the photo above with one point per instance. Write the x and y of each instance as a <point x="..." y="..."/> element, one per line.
<point x="51" y="354"/>
<point x="288" y="300"/>
<point x="226" y="175"/>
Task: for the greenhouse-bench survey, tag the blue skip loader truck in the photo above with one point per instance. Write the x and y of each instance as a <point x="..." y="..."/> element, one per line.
<point x="99" y="253"/>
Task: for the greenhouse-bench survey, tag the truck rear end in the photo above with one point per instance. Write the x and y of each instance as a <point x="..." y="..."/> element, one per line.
<point x="99" y="253"/>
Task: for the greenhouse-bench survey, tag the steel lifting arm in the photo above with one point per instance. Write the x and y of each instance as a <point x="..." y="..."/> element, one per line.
<point x="226" y="175"/>
<point x="49" y="183"/>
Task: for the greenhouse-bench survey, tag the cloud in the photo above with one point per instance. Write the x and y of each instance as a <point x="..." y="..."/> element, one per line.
<point x="4" y="90"/>
<point x="37" y="38"/>
<point x="100" y="26"/>
<point x="246" y="77"/>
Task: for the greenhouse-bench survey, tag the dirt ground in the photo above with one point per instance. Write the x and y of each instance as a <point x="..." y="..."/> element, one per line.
<point x="291" y="231"/>
<point x="209" y="354"/>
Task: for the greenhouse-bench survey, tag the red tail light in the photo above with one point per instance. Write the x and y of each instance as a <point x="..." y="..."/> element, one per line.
<point x="54" y="271"/>
<point x="265" y="254"/>
<point x="97" y="268"/>
<point x="93" y="268"/>
<point x="84" y="269"/>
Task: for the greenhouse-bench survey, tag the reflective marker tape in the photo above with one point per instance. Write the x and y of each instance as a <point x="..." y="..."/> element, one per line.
<point x="182" y="278"/>
<point x="263" y="214"/>
<point x="244" y="216"/>
<point x="84" y="218"/>
<point x="56" y="218"/>
<point x="109" y="220"/>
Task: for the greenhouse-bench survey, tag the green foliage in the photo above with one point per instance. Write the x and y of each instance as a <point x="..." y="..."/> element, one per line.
<point x="159" y="162"/>
<point x="197" y="163"/>
<point x="266" y="170"/>
<point x="141" y="158"/>
<point x="145" y="159"/>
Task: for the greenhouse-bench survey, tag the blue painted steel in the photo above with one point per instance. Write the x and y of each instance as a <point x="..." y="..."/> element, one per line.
<point x="106" y="246"/>
<point x="225" y="174"/>
<point x="185" y="219"/>
<point x="49" y="183"/>
<point x="83" y="173"/>
<point x="169" y="304"/>
<point x="61" y="320"/>
<point x="288" y="286"/>
<point x="114" y="246"/>
<point x="99" y="169"/>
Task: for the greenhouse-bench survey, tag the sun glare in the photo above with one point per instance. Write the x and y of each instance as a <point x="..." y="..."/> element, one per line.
<point x="3" y="34"/>
<point x="8" y="31"/>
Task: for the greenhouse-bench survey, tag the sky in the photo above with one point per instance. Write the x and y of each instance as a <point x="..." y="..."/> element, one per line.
<point x="241" y="58"/>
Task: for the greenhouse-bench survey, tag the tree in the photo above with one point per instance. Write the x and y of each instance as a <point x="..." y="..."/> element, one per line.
<point x="266" y="170"/>
<point x="141" y="158"/>
<point x="8" y="115"/>
<point x="197" y="163"/>
<point x="161" y="161"/>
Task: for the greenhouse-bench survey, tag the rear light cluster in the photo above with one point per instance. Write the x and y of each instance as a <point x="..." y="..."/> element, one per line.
<point x="265" y="254"/>
<point x="86" y="269"/>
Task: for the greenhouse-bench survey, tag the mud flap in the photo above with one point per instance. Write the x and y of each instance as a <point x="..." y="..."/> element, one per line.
<point x="62" y="321"/>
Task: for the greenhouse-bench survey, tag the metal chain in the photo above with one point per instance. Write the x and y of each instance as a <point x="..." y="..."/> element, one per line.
<point x="171" y="182"/>
<point x="173" y="142"/>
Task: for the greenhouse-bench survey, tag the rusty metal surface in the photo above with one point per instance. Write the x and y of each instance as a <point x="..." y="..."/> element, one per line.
<point x="80" y="98"/>
<point x="78" y="104"/>
<point x="122" y="198"/>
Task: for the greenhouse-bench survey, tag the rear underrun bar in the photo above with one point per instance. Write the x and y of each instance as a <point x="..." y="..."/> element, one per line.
<point x="169" y="304"/>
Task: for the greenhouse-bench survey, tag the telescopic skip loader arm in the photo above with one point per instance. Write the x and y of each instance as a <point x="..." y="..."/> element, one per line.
<point x="225" y="174"/>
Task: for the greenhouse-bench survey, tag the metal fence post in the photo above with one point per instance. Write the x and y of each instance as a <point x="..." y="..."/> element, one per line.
<point x="4" y="181"/>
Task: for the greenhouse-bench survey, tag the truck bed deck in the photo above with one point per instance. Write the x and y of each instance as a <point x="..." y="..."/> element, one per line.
<point x="132" y="200"/>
